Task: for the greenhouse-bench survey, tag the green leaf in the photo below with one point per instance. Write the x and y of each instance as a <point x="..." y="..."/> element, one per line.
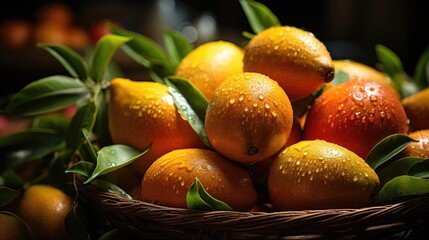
<point x="112" y="235"/>
<point x="70" y="59"/>
<point x="191" y="103"/>
<point x="420" y="169"/>
<point x="56" y="122"/>
<point x="7" y="195"/>
<point x="88" y="148"/>
<point x="114" y="157"/>
<point x="27" y="146"/>
<point x="146" y="52"/>
<point x="259" y="16"/>
<point x="46" y="95"/>
<point x="176" y="44"/>
<point x="386" y="149"/>
<point x="340" y="77"/>
<point x="404" y="186"/>
<point x="84" y="119"/>
<point x="301" y="106"/>
<point x="74" y="226"/>
<point x="110" y="187"/>
<point x="103" y="54"/>
<point x="11" y="179"/>
<point x="83" y="168"/>
<point x="397" y="168"/>
<point x="198" y="198"/>
<point x="101" y="124"/>
<point x="391" y="63"/>
<point x="421" y="72"/>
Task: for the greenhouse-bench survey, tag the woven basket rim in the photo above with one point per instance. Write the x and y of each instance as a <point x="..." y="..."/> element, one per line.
<point x="137" y="211"/>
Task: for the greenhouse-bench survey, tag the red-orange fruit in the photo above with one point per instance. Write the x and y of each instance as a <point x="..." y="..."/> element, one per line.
<point x="356" y="114"/>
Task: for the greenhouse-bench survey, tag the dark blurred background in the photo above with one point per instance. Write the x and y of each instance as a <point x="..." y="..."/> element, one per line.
<point x="349" y="28"/>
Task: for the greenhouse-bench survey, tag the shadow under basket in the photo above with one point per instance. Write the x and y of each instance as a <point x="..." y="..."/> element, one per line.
<point x="408" y="219"/>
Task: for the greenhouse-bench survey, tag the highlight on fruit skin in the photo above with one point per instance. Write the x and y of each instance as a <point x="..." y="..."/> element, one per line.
<point x="143" y="113"/>
<point x="249" y="118"/>
<point x="361" y="71"/>
<point x="210" y="63"/>
<point x="317" y="174"/>
<point x="44" y="209"/>
<point x="168" y="179"/>
<point x="419" y="148"/>
<point x="293" y="57"/>
<point x="356" y="114"/>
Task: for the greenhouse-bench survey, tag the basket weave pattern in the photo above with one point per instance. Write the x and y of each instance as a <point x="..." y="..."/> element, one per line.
<point x="160" y="222"/>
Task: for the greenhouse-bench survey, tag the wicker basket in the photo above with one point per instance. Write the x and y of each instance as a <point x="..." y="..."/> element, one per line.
<point x="404" y="220"/>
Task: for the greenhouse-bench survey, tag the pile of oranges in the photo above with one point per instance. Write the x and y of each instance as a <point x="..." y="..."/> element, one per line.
<point x="310" y="161"/>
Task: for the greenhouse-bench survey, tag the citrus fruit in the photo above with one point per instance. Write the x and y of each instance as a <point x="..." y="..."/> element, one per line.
<point x="420" y="148"/>
<point x="295" y="58"/>
<point x="249" y="117"/>
<point x="209" y="64"/>
<point x="361" y="71"/>
<point x="15" y="33"/>
<point x="44" y="209"/>
<point x="317" y="174"/>
<point x="143" y="113"/>
<point x="356" y="114"/>
<point x="417" y="108"/>
<point x="168" y="179"/>
<point x="13" y="227"/>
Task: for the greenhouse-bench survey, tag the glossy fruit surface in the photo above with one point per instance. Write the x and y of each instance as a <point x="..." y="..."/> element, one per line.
<point x="319" y="175"/>
<point x="44" y="209"/>
<point x="356" y="115"/>
<point x="168" y="179"/>
<point x="295" y="58"/>
<point x="144" y="113"/>
<point x="420" y="148"/>
<point x="210" y="63"/>
<point x="249" y="118"/>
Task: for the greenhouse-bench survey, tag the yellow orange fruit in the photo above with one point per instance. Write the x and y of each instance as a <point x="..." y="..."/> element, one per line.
<point x="15" y="33"/>
<point x="13" y="227"/>
<point x="319" y="175"/>
<point x="168" y="179"/>
<point x="356" y="115"/>
<point x="361" y="71"/>
<point x="249" y="117"/>
<point x="293" y="57"/>
<point x="417" y="108"/>
<point x="143" y="113"/>
<point x="210" y="63"/>
<point x="55" y="13"/>
<point x="420" y="148"/>
<point x="44" y="209"/>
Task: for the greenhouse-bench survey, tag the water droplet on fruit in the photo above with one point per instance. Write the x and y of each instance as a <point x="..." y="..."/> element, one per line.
<point x="355" y="178"/>
<point x="241" y="98"/>
<point x="267" y="106"/>
<point x="373" y="98"/>
<point x="232" y="101"/>
<point x="365" y="174"/>
<point x="261" y="97"/>
<point x="298" y="162"/>
<point x="255" y="105"/>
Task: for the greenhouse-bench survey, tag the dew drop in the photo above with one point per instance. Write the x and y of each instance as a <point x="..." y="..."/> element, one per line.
<point x="255" y="105"/>
<point x="241" y="98"/>
<point x="355" y="178"/>
<point x="298" y="162"/>
<point x="261" y="97"/>
<point x="232" y="101"/>
<point x="267" y="106"/>
<point x="373" y="98"/>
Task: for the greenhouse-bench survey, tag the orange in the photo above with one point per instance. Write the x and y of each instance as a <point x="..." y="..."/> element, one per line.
<point x="320" y="175"/>
<point x="209" y="64"/>
<point x="13" y="227"/>
<point x="168" y="179"/>
<point x="360" y="71"/>
<point x="420" y="148"/>
<point x="356" y="115"/>
<point x="144" y="113"/>
<point x="249" y="117"/>
<point x="295" y="58"/>
<point x="417" y="108"/>
<point x="55" y="13"/>
<point x="44" y="209"/>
